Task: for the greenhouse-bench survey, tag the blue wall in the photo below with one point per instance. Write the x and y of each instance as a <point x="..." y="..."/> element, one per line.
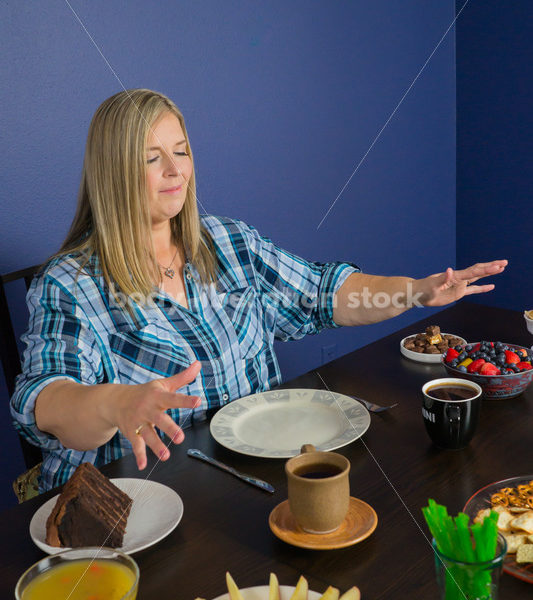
<point x="495" y="144"/>
<point x="282" y="101"/>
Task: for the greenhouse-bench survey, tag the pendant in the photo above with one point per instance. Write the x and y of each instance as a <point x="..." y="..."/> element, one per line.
<point x="169" y="272"/>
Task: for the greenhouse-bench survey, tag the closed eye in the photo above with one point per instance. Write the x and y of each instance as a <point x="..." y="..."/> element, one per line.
<point x="152" y="160"/>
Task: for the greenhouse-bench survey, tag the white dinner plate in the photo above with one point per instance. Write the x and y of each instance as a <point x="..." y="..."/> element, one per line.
<point x="420" y="356"/>
<point x="260" y="592"/>
<point x="155" y="512"/>
<point x="276" y="424"/>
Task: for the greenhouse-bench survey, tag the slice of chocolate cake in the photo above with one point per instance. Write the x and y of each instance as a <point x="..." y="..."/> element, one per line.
<point x="90" y="511"/>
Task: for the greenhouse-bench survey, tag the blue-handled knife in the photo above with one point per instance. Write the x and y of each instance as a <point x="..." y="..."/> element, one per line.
<point x="248" y="478"/>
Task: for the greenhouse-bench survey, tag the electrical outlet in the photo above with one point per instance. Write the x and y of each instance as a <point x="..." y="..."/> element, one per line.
<point x="329" y="353"/>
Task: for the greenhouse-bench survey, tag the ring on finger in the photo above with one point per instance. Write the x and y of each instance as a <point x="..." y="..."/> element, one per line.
<point x="140" y="428"/>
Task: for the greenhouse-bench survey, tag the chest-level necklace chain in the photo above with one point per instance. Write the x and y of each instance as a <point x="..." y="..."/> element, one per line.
<point x="168" y="271"/>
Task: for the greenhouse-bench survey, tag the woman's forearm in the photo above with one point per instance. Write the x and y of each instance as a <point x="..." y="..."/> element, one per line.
<point x="80" y="416"/>
<point x="84" y="417"/>
<point x="365" y="299"/>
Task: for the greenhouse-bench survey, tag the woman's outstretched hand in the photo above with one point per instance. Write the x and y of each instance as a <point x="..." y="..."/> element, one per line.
<point x="443" y="288"/>
<point x="142" y="407"/>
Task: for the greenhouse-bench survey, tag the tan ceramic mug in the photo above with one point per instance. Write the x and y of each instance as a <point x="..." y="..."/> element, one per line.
<point x="319" y="489"/>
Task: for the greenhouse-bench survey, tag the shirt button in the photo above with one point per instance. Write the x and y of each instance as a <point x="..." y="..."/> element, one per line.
<point x="225" y="397"/>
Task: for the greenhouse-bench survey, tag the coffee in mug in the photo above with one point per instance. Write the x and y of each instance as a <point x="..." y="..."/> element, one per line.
<point x="319" y="489"/>
<point x="451" y="410"/>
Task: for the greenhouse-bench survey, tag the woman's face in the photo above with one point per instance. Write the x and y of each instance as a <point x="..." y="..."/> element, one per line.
<point x="168" y="168"/>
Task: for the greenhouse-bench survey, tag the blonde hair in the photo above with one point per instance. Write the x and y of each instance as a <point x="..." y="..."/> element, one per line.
<point x="112" y="219"/>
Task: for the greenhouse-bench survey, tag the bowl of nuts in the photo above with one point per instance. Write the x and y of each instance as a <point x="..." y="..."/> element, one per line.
<point x="528" y="316"/>
<point x="428" y="347"/>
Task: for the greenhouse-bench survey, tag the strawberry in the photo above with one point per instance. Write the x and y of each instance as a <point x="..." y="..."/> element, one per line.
<point x="511" y="357"/>
<point x="451" y="354"/>
<point x="476" y="348"/>
<point x="524" y="366"/>
<point x="489" y="369"/>
<point x="522" y="353"/>
<point x="476" y="365"/>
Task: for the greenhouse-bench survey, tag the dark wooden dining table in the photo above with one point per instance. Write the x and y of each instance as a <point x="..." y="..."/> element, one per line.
<point x="394" y="467"/>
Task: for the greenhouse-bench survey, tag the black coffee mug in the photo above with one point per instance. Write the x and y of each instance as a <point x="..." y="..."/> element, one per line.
<point x="451" y="410"/>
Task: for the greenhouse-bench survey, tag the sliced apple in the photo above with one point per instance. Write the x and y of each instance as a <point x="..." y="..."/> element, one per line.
<point x="301" y="589"/>
<point x="330" y="594"/>
<point x="352" y="594"/>
<point x="273" y="588"/>
<point x="234" y="592"/>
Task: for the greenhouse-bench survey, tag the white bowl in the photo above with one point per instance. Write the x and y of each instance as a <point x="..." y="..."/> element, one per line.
<point x="420" y="356"/>
<point x="528" y="316"/>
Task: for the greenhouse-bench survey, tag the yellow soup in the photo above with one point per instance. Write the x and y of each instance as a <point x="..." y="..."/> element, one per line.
<point x="83" y="580"/>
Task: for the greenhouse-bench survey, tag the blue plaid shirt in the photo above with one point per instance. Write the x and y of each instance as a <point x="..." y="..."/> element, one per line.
<point x="79" y="331"/>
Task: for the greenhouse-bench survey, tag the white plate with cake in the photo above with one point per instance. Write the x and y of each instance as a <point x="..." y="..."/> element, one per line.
<point x="155" y="511"/>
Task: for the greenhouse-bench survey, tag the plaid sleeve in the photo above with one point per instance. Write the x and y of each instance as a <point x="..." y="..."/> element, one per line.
<point x="60" y="344"/>
<point x="301" y="292"/>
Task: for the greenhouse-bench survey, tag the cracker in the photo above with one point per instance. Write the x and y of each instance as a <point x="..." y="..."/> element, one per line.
<point x="523" y="522"/>
<point x="514" y="541"/>
<point x="524" y="554"/>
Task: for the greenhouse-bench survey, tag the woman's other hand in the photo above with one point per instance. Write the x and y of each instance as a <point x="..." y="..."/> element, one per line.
<point x="443" y="288"/>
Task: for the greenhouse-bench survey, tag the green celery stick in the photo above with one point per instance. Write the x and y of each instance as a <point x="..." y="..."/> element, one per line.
<point x="490" y="534"/>
<point x="440" y="525"/>
<point x="479" y="537"/>
<point x="465" y="551"/>
<point x="455" y="538"/>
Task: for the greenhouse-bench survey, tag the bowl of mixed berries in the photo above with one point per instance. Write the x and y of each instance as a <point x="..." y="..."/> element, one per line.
<point x="502" y="370"/>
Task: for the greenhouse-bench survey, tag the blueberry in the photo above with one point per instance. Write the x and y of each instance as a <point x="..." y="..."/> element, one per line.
<point x="468" y="347"/>
<point x="498" y="345"/>
<point x="459" y="348"/>
<point x="462" y="356"/>
<point x="454" y="362"/>
<point x="515" y="368"/>
<point x="462" y="368"/>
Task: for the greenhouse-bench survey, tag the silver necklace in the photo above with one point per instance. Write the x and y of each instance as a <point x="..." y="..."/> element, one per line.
<point x="167" y="271"/>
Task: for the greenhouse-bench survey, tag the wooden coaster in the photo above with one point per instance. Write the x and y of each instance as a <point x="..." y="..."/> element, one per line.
<point x="359" y="523"/>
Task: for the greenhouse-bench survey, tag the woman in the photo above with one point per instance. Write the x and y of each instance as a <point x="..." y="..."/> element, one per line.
<point x="145" y="298"/>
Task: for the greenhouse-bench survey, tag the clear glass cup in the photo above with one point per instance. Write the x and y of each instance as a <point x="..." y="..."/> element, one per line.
<point x="116" y="573"/>
<point x="469" y="581"/>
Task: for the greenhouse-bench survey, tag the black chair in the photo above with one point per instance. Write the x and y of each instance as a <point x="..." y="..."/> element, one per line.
<point x="9" y="352"/>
